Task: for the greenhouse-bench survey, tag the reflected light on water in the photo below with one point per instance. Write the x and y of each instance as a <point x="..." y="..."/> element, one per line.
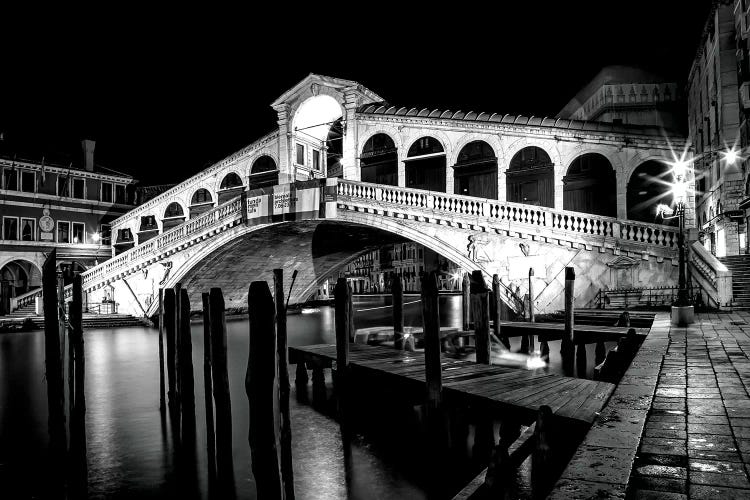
<point x="535" y="361"/>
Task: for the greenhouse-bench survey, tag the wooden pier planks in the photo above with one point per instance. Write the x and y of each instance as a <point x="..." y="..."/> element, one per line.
<point x="499" y="388"/>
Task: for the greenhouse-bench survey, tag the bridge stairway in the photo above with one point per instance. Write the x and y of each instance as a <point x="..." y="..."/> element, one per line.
<point x="740" y="267"/>
<point x="90" y="321"/>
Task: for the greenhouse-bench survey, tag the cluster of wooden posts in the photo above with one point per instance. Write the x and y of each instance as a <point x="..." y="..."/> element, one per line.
<point x="69" y="470"/>
<point x="269" y="433"/>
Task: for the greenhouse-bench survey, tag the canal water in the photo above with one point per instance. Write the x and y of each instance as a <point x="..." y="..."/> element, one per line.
<point x="130" y="453"/>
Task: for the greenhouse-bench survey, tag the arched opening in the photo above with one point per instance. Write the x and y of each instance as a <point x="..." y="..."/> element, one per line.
<point x="590" y="186"/>
<point x="200" y="202"/>
<point x="68" y="269"/>
<point x="318" y="137"/>
<point x="173" y="216"/>
<point x="263" y="173"/>
<point x="475" y="171"/>
<point x="379" y="161"/>
<point x="530" y="179"/>
<point x="335" y="150"/>
<point x="148" y="228"/>
<point x="425" y="165"/>
<point x="648" y="186"/>
<point x="231" y="186"/>
<point x="16" y="278"/>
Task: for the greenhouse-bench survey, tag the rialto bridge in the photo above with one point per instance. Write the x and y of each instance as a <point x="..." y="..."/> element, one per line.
<point x="344" y="172"/>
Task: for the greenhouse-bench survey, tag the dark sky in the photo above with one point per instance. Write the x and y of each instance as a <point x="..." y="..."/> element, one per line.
<point x="165" y="93"/>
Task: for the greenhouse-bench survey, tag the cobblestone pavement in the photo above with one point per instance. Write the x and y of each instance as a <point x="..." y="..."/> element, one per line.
<point x="696" y="440"/>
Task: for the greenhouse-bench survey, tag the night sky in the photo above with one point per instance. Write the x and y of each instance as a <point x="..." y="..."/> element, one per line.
<point x="166" y="93"/>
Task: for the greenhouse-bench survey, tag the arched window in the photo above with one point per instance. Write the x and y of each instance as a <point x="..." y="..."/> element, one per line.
<point x="230" y="180"/>
<point x="425" y="165"/>
<point x="590" y="186"/>
<point x="263" y="173"/>
<point x="379" y="161"/>
<point x="475" y="171"/>
<point x="173" y="210"/>
<point x="201" y="196"/>
<point x="648" y="186"/>
<point x="530" y="178"/>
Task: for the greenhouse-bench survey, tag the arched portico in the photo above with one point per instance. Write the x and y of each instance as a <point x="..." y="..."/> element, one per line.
<point x="378" y="161"/>
<point x="475" y="171"/>
<point x="649" y="185"/>
<point x="530" y="178"/>
<point x="590" y="186"/>
<point x="426" y="164"/>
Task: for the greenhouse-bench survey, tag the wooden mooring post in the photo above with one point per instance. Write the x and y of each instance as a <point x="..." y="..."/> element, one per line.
<point x="397" y="291"/>
<point x="498" y="307"/>
<point x="260" y="386"/>
<point x="170" y="327"/>
<point x="432" y="362"/>
<point x="480" y="305"/>
<point x="222" y="399"/>
<point x="285" y="432"/>
<point x="567" y="347"/>
<point x="187" y="382"/>
<point x="343" y="312"/>
<point x="208" y="389"/>
<point x="466" y="302"/>
<point x="162" y="401"/>
<point x="78" y="466"/>
<point x="54" y="373"/>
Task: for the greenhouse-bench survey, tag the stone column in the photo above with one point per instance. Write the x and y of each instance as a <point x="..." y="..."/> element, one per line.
<point x="449" y="185"/>
<point x="286" y="174"/>
<point x="622" y="187"/>
<point x="351" y="137"/>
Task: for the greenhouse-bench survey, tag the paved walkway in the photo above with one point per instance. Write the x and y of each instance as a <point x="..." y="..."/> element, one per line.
<point x="696" y="439"/>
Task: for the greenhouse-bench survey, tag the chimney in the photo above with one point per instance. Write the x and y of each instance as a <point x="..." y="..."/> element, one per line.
<point x="88" y="154"/>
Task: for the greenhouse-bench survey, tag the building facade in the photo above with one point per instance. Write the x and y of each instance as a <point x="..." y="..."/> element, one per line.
<point x="48" y="206"/>
<point x="716" y="121"/>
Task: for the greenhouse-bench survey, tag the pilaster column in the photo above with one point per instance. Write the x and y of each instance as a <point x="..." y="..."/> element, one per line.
<point x="284" y="145"/>
<point x="350" y="160"/>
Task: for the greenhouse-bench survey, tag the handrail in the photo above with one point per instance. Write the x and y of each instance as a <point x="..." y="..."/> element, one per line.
<point x="556" y="220"/>
<point x="712" y="274"/>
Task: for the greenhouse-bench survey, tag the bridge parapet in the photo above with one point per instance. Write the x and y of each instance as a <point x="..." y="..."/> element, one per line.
<point x="539" y="222"/>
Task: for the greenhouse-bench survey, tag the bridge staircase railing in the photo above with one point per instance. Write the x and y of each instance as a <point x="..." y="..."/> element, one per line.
<point x="711" y="275"/>
<point x="656" y="239"/>
<point x="225" y="215"/>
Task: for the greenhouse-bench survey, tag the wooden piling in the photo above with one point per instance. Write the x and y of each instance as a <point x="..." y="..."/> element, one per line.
<point x="208" y="389"/>
<point x="162" y="402"/>
<point x="498" y="307"/>
<point x="222" y="399"/>
<point x="531" y="294"/>
<point x="466" y="302"/>
<point x="178" y="349"/>
<point x="431" y="325"/>
<point x="344" y="311"/>
<point x="54" y="372"/>
<point x="542" y="455"/>
<point x="581" y="361"/>
<point x="300" y="382"/>
<point x="397" y="291"/>
<point x="79" y="472"/>
<point x="566" y="346"/>
<point x="185" y="357"/>
<point x="285" y="431"/>
<point x="170" y="307"/>
<point x="480" y="305"/>
<point x="260" y="386"/>
<point x="600" y="353"/>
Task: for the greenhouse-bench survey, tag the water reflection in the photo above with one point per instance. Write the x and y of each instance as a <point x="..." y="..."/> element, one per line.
<point x="130" y="451"/>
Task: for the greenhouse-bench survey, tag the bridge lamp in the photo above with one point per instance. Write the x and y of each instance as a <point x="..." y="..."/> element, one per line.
<point x="682" y="311"/>
<point x="95" y="237"/>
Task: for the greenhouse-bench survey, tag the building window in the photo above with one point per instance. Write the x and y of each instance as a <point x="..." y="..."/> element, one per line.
<point x="28" y="182"/>
<point x="28" y="227"/>
<point x="105" y="234"/>
<point x="62" y="186"/>
<point x="300" y="154"/>
<point x="10" y="179"/>
<point x="120" y="194"/>
<point x="63" y="232"/>
<point x="316" y="159"/>
<point x="79" y="188"/>
<point x="106" y="192"/>
<point x="124" y="235"/>
<point x="79" y="232"/>
<point x="10" y="228"/>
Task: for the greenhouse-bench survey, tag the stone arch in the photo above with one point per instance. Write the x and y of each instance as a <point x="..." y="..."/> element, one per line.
<point x="391" y="132"/>
<point x="491" y="139"/>
<point x="378" y="160"/>
<point x="309" y="93"/>
<point x="475" y="171"/>
<point x="530" y="177"/>
<point x="231" y="179"/>
<point x="264" y="172"/>
<point x="590" y="185"/>
<point x="174" y="209"/>
<point x="647" y="186"/>
<point x="426" y="163"/>
<point x="200" y="196"/>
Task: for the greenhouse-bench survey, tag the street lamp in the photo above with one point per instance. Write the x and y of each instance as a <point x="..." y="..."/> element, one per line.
<point x="682" y="311"/>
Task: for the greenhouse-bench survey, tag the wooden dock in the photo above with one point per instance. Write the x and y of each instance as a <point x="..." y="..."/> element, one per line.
<point x="501" y="391"/>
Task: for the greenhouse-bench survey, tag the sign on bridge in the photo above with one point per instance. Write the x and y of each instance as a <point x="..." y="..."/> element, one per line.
<point x="289" y="202"/>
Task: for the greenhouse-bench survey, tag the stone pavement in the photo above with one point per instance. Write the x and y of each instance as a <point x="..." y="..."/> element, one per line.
<point x="696" y="439"/>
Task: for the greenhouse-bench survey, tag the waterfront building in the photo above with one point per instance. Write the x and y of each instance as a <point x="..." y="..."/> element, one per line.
<point x="47" y="204"/>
